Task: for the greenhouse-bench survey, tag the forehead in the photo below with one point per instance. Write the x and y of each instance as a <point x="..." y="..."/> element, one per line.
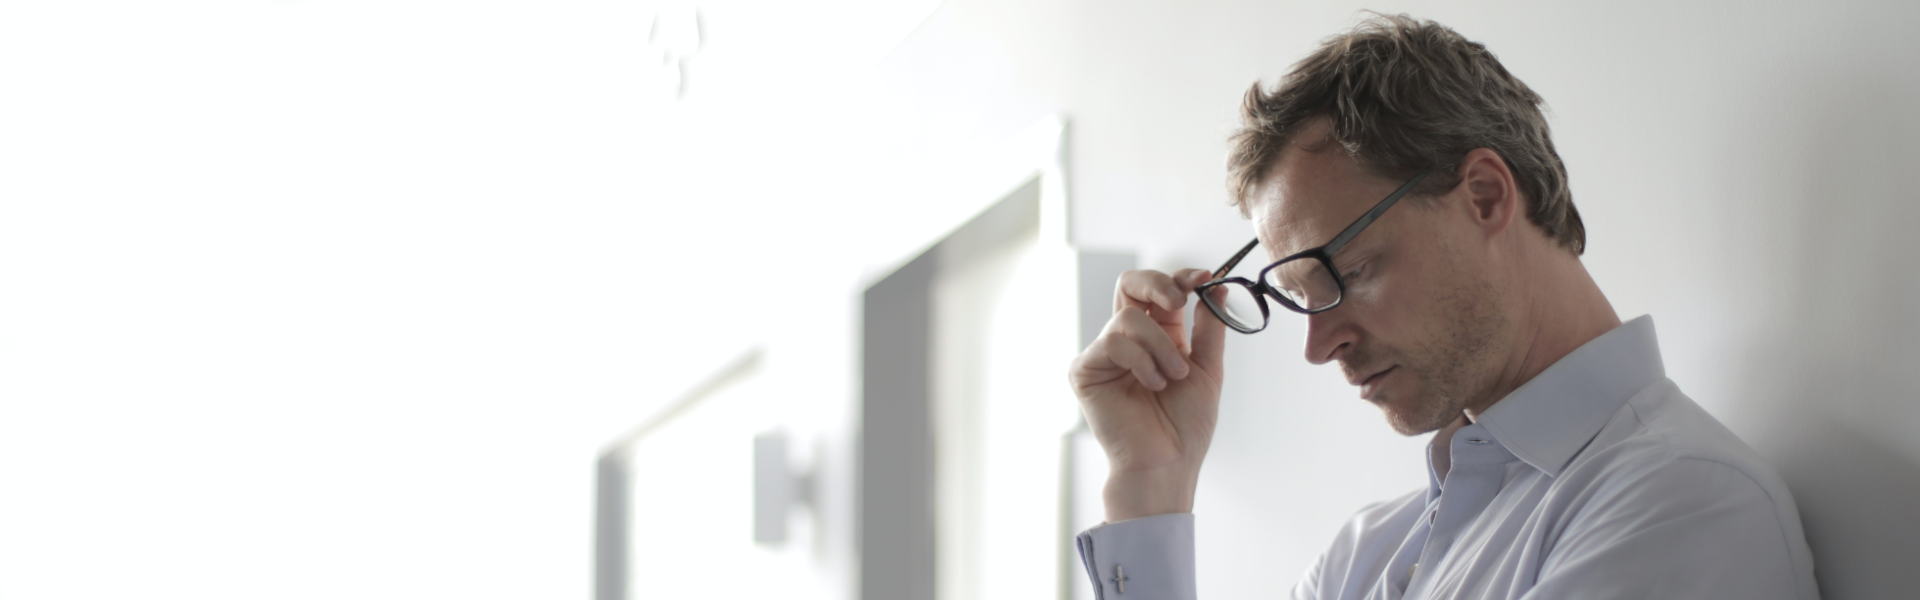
<point x="1307" y="197"/>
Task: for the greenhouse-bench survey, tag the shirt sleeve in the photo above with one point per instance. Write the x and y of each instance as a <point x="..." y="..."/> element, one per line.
<point x="1147" y="558"/>
<point x="1691" y="528"/>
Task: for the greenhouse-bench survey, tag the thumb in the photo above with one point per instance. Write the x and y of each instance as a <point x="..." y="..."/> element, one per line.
<point x="1209" y="334"/>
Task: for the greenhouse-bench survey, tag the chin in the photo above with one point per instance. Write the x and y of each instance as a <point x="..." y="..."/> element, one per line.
<point x="1415" y="416"/>
<point x="1408" y="427"/>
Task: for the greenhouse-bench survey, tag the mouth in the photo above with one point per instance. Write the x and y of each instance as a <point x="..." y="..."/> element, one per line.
<point x="1371" y="385"/>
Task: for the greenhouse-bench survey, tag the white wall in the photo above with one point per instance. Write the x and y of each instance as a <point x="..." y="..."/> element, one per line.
<point x="341" y="299"/>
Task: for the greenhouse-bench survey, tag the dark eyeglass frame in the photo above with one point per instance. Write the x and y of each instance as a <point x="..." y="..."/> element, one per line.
<point x="1324" y="254"/>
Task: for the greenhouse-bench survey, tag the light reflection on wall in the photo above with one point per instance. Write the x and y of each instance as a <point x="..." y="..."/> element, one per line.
<point x="1003" y="330"/>
<point x="1027" y="410"/>
<point x="691" y="506"/>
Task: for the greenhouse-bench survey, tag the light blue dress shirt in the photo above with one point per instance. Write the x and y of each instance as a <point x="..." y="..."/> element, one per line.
<point x="1597" y="479"/>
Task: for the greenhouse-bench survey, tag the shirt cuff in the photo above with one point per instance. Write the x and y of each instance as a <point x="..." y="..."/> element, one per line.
<point x="1146" y="558"/>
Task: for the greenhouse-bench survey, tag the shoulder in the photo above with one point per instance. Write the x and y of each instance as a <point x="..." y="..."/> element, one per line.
<point x="1661" y="437"/>
<point x="1664" y="474"/>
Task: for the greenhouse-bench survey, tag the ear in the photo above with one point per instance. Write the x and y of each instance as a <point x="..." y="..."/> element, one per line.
<point x="1493" y="198"/>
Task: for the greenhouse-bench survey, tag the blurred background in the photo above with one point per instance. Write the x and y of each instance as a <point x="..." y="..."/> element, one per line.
<point x="730" y="298"/>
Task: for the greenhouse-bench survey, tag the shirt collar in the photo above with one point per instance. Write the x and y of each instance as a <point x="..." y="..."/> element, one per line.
<point x="1550" y="418"/>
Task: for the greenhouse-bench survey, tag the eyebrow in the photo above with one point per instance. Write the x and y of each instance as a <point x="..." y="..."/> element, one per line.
<point x="1356" y="251"/>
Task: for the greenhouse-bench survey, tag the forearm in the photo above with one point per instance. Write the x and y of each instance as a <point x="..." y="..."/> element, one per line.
<point x="1132" y="494"/>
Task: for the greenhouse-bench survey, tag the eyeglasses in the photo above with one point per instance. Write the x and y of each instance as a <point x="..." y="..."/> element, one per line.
<point x="1306" y="283"/>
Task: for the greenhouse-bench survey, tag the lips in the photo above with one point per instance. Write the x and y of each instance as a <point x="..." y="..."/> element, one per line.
<point x="1371" y="385"/>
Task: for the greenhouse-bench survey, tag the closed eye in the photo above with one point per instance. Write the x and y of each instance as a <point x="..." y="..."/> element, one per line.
<point x="1358" y="265"/>
<point x="1353" y="272"/>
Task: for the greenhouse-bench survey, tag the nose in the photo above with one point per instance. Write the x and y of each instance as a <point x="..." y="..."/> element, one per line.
<point x="1329" y="336"/>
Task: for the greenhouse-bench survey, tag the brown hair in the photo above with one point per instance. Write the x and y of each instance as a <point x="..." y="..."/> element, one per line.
<point x="1403" y="95"/>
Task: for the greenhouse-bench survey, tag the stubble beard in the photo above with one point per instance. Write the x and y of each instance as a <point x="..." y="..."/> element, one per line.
<point x="1453" y="368"/>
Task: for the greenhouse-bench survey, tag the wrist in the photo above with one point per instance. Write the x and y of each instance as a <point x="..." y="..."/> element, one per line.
<point x="1136" y="494"/>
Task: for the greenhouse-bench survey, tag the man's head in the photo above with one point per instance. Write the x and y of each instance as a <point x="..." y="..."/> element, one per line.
<point x="1401" y="96"/>
<point x="1439" y="290"/>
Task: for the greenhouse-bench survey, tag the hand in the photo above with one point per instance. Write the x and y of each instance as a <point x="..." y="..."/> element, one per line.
<point x="1150" y="397"/>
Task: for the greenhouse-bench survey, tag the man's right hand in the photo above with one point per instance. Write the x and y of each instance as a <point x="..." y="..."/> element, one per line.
<point x="1149" y="396"/>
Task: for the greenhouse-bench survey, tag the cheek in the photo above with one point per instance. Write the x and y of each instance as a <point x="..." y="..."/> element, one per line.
<point x="1404" y="304"/>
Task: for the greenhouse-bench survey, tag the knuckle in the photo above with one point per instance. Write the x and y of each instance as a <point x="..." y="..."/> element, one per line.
<point x="1086" y="355"/>
<point x="1136" y="326"/>
<point x="1152" y="341"/>
<point x="1101" y="346"/>
<point x="1113" y="346"/>
<point x="1144" y="277"/>
<point x="1146" y="337"/>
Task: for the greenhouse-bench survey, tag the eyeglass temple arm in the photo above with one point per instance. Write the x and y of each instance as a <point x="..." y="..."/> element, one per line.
<point x="1231" y="262"/>
<point x="1367" y="219"/>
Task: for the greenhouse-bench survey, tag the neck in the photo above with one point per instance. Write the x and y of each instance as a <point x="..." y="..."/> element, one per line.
<point x="1560" y="308"/>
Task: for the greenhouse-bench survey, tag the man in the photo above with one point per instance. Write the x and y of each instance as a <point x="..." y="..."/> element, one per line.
<point x="1564" y="463"/>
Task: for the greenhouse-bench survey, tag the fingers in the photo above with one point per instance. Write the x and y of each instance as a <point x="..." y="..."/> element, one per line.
<point x="1147" y="336"/>
<point x="1187" y="279"/>
<point x="1135" y="326"/>
<point x="1137" y="345"/>
<point x="1209" y="336"/>
<point x="1153" y="288"/>
<point x="1127" y="354"/>
<point x="1132" y="344"/>
<point x="1149" y="288"/>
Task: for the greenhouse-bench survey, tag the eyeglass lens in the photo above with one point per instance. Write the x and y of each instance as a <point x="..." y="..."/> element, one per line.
<point x="1305" y="281"/>
<point x="1240" y="308"/>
